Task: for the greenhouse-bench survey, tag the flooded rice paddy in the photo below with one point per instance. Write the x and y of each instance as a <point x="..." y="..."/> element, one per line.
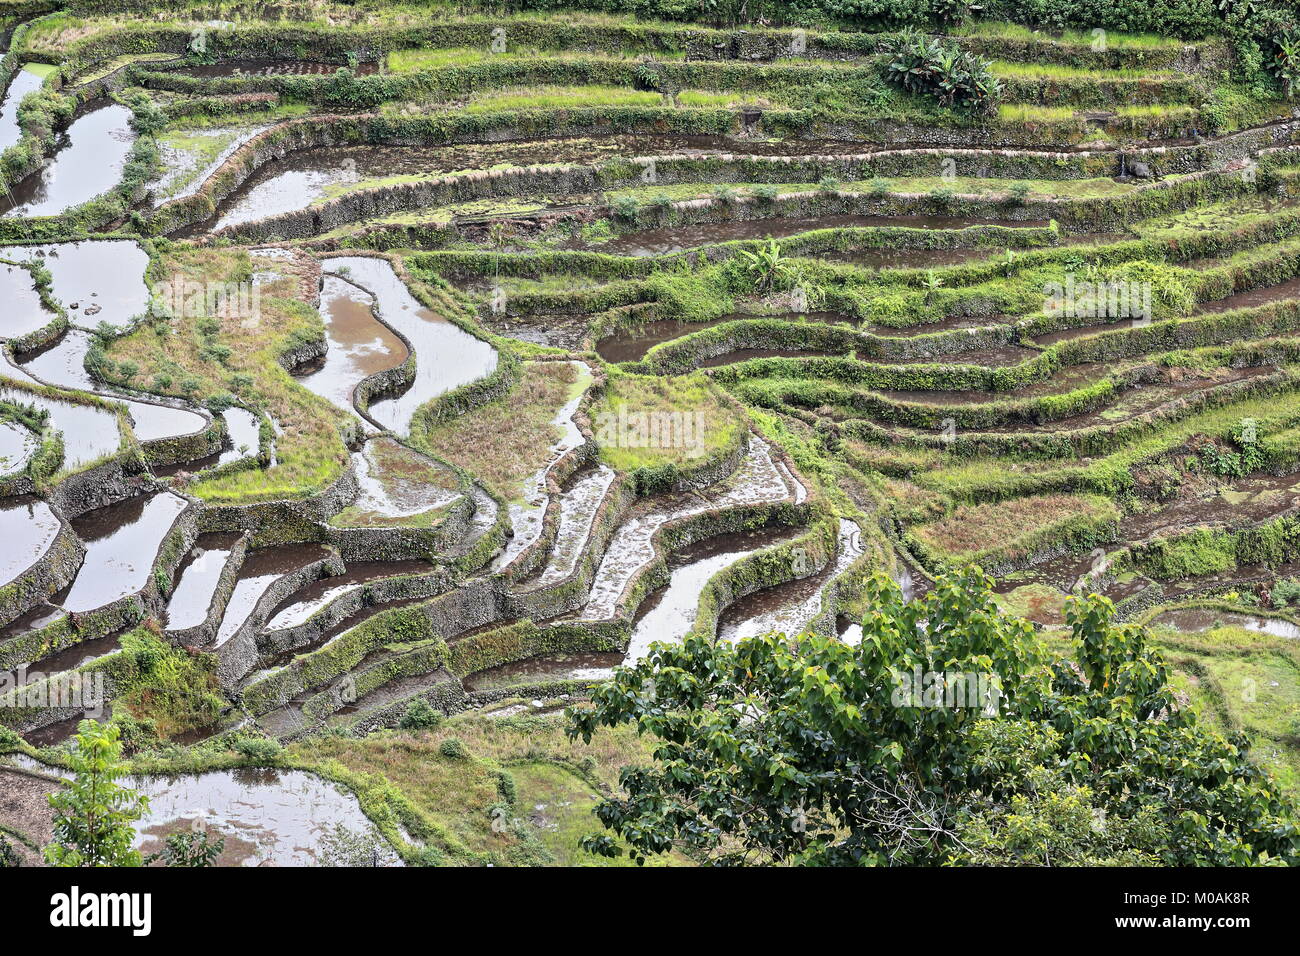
<point x="121" y="541"/>
<point x="89" y="165"/>
<point x="267" y="817"/>
<point x="282" y="565"/>
<point x="446" y="355"/>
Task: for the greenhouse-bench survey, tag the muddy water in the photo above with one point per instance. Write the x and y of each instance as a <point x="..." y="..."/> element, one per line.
<point x="243" y="440"/>
<point x="758" y="479"/>
<point x="309" y="600"/>
<point x="850" y="631"/>
<point x="668" y="613"/>
<point x="1205" y="619"/>
<point x="988" y="358"/>
<point x="260" y="570"/>
<point x="89" y="433"/>
<point x="342" y="627"/>
<point x="911" y="258"/>
<point x="248" y="67"/>
<point x="121" y="544"/>
<point x="182" y="174"/>
<point x="78" y="655"/>
<point x="35" y="619"/>
<point x="579" y="502"/>
<point x="196" y="581"/>
<point x="446" y="356"/>
<point x="659" y="242"/>
<point x="791" y="607"/>
<point x="27" y="527"/>
<point x="1061" y="576"/>
<point x="526" y="516"/>
<point x="1139" y="400"/>
<point x="23" y="82"/>
<point x="551" y="667"/>
<point x="96" y="280"/>
<point x="359" y="344"/>
<point x="268" y="817"/>
<point x="16" y="447"/>
<point x="1256" y="297"/>
<point x="23" y="311"/>
<point x="306" y="176"/>
<point x="943" y="325"/>
<point x="88" y="165"/>
<point x="631" y="345"/>
<point x="51" y="735"/>
<point x="63" y="364"/>
<point x="1064" y="335"/>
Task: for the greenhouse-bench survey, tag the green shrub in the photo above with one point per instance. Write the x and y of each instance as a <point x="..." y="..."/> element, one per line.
<point x="258" y="749"/>
<point x="938" y="68"/>
<point x="420" y="715"/>
<point x="1286" y="591"/>
<point x="453" y="749"/>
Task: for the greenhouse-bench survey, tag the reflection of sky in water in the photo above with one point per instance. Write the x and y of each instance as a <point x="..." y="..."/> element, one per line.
<point x="288" y="191"/>
<point x="89" y="165"/>
<point x="268" y="817"/>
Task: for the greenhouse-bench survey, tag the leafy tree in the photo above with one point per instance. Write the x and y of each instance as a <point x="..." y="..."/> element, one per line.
<point x="93" y="814"/>
<point x="815" y="752"/>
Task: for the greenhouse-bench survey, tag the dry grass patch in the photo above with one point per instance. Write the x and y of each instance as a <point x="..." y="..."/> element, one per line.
<point x="1015" y="530"/>
<point x="505" y="441"/>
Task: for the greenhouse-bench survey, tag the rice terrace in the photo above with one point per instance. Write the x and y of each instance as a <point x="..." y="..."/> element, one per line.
<point x="573" y="433"/>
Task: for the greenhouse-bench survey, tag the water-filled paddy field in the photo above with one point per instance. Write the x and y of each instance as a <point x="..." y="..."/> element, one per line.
<point x="356" y="375"/>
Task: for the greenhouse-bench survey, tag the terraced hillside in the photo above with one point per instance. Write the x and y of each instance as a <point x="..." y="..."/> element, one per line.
<point x="365" y="360"/>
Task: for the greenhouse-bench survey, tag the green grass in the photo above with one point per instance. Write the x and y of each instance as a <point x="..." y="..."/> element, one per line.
<point x="961" y="185"/>
<point x="692" y="394"/>
<point x="987" y="477"/>
<point x="557" y="97"/>
<point x="1245" y="681"/>
<point x="39" y="69"/>
<point x="1214" y="217"/>
<point x="1015" y="31"/>
<point x="436" y="58"/>
<point x="1028" y="113"/>
<point x="310" y="450"/>
<point x="458" y="799"/>
<point x="558" y="805"/>
<point x="1058" y="71"/>
<point x="282" y="111"/>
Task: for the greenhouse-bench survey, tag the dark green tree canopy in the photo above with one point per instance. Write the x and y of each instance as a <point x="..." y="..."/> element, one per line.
<point x="946" y="736"/>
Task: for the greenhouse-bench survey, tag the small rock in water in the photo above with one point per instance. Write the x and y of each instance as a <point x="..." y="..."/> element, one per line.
<point x="1140" y="170"/>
